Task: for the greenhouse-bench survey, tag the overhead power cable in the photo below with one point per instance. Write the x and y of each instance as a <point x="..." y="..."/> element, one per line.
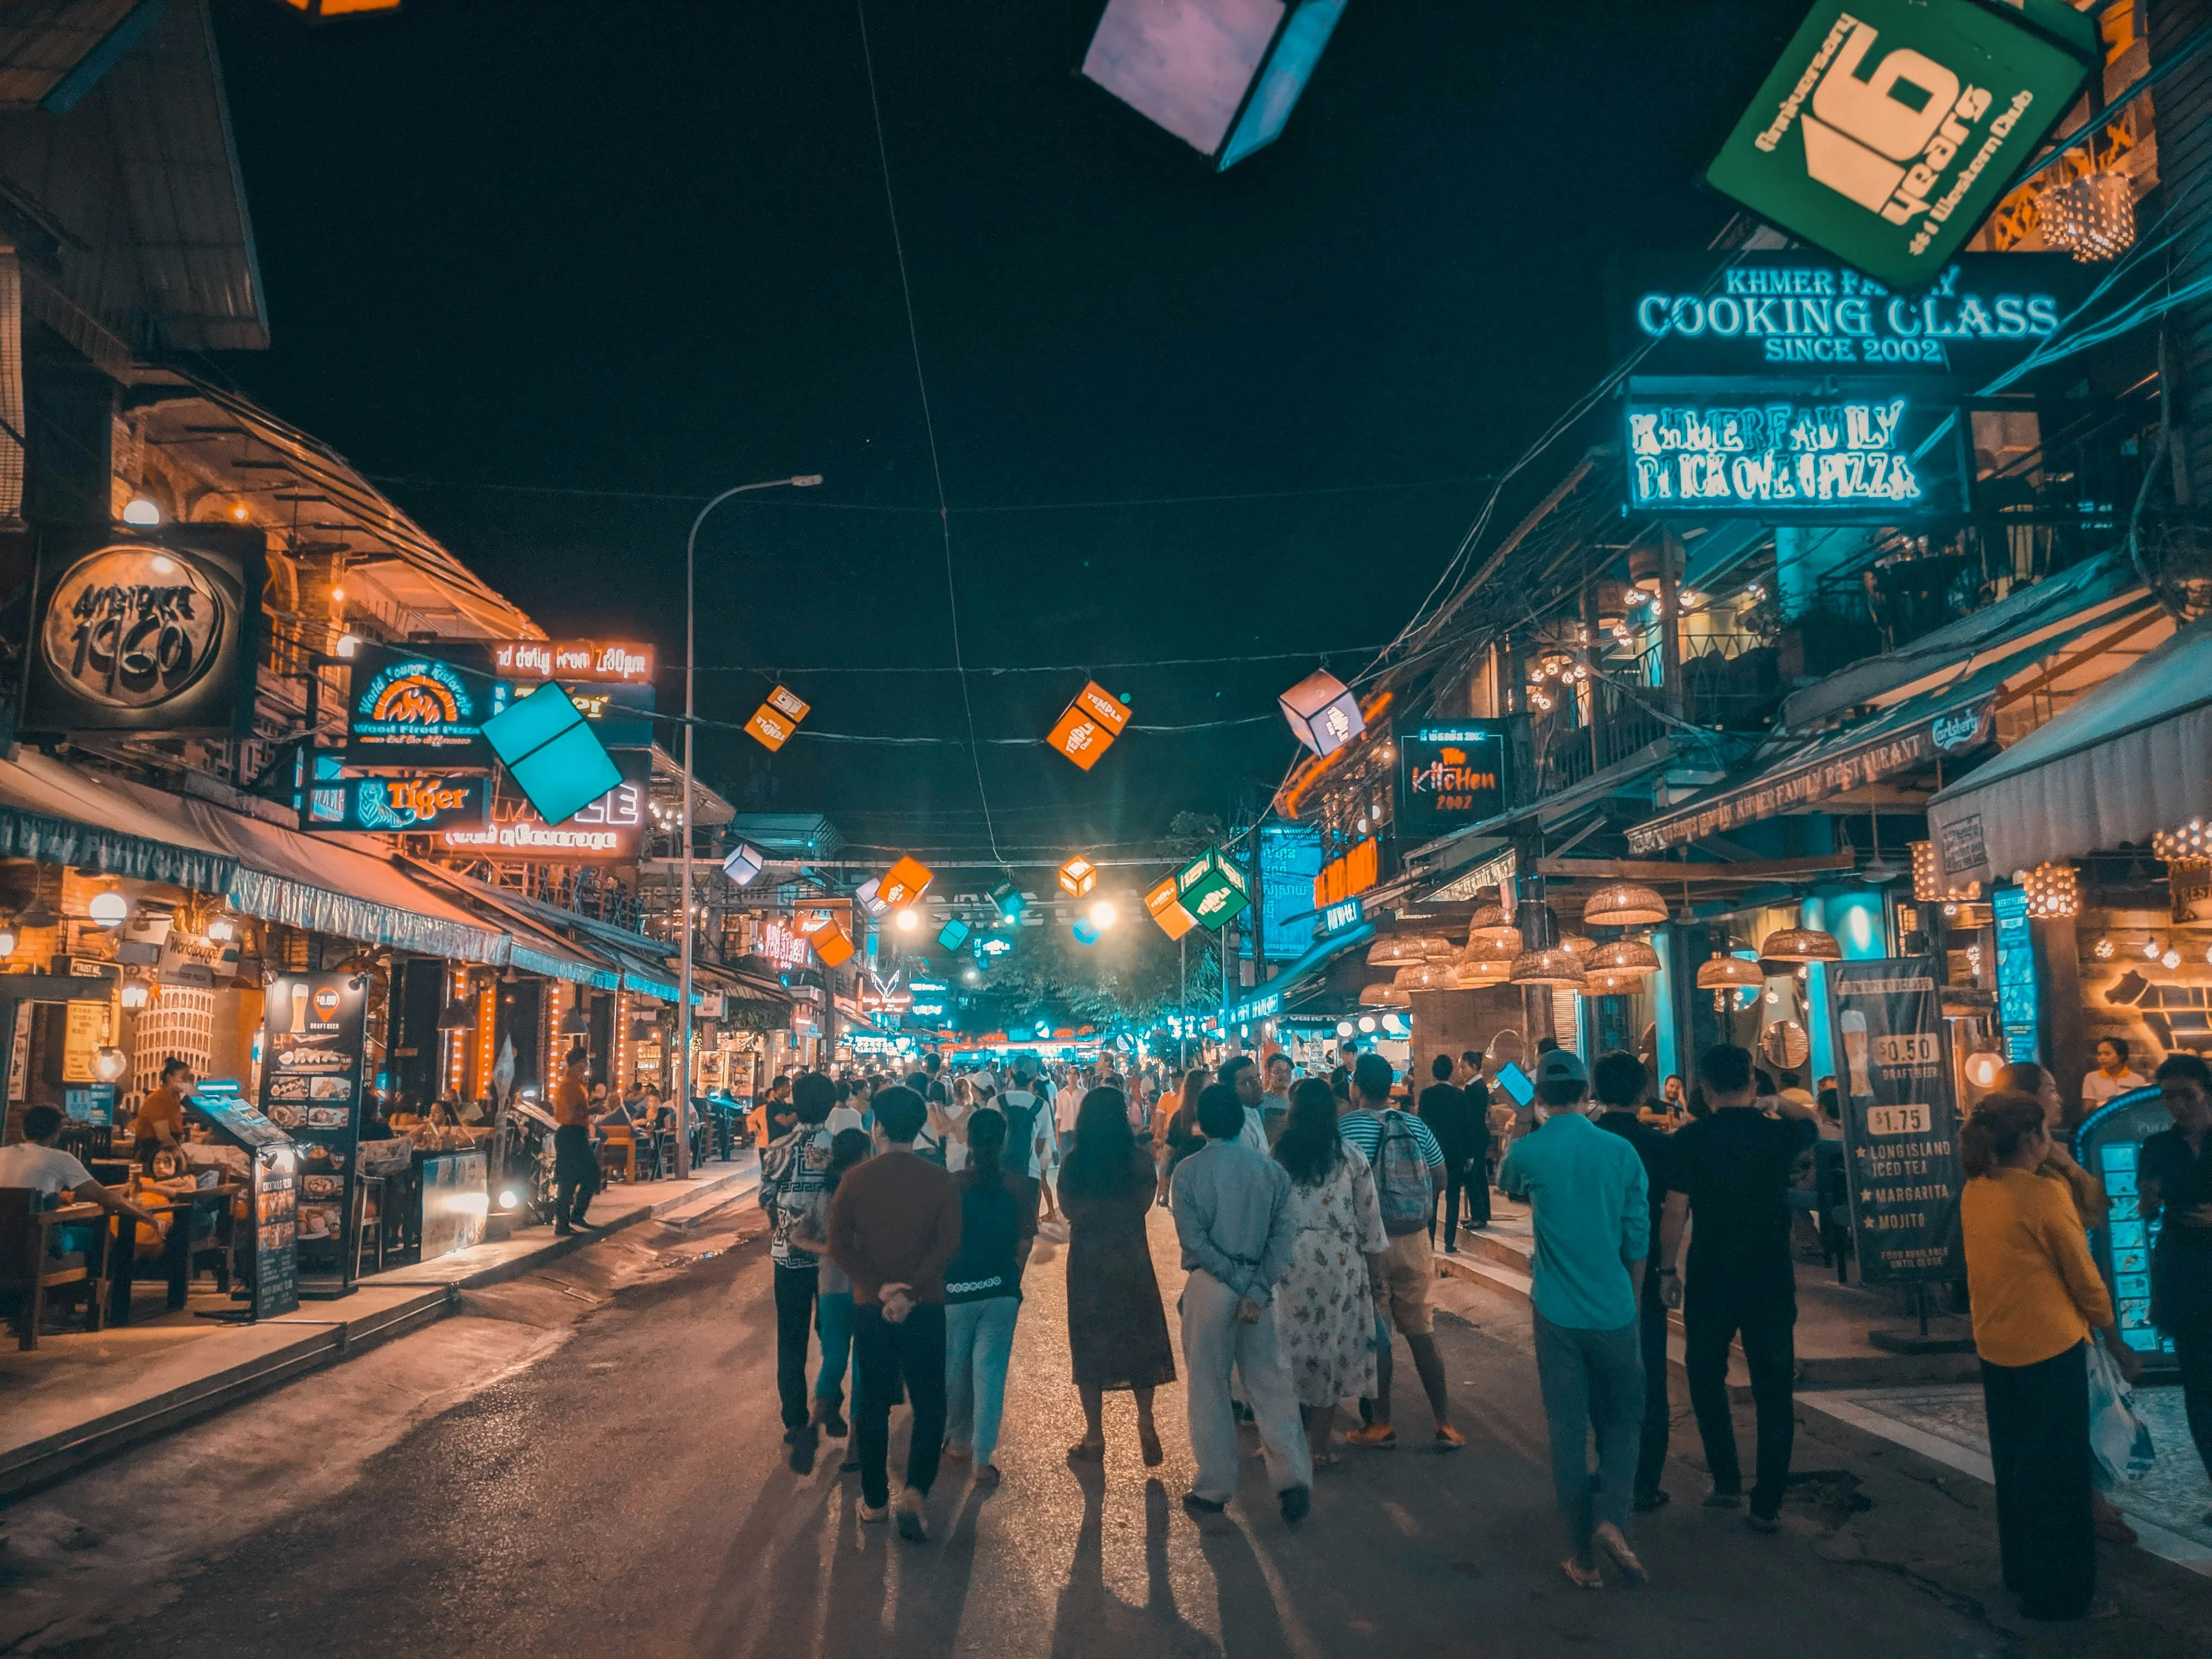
<point x="420" y="481"/>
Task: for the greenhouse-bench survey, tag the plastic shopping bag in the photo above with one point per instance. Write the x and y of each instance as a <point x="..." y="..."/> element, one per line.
<point x="2117" y="1437"/>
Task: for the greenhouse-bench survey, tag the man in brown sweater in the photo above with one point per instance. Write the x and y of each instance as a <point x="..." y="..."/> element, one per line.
<point x="894" y="1226"/>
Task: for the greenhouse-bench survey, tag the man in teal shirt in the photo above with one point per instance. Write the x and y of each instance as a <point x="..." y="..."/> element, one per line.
<point x="1593" y="1223"/>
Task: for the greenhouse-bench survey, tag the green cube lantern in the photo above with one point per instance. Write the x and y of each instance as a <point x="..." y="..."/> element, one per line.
<point x="1213" y="890"/>
<point x="1890" y="128"/>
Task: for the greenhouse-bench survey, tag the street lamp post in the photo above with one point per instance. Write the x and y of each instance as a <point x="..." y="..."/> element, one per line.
<point x="802" y="481"/>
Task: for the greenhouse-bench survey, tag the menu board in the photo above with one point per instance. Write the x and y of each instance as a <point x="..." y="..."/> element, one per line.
<point x="92" y="1104"/>
<point x="453" y="1205"/>
<point x="2016" y="994"/>
<point x="237" y="1122"/>
<point x="275" y="1278"/>
<point x="311" y="1066"/>
<point x="1900" y="1119"/>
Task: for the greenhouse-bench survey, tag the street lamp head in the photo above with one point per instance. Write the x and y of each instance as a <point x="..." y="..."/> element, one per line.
<point x="807" y="480"/>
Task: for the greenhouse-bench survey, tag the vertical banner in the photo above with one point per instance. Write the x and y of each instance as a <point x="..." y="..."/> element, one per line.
<point x="1900" y="1118"/>
<point x="310" y="1054"/>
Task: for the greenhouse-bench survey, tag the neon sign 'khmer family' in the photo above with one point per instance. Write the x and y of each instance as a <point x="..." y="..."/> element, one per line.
<point x="1774" y="455"/>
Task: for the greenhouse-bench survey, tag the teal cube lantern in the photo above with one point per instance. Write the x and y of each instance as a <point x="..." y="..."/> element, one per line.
<point x="1213" y="890"/>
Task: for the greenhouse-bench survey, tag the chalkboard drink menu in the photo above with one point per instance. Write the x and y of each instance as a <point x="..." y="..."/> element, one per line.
<point x="311" y="1088"/>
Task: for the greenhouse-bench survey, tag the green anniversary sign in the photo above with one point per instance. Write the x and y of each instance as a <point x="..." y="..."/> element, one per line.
<point x="1890" y="128"/>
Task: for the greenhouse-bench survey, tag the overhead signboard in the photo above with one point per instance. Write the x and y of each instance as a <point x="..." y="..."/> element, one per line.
<point x="1290" y="856"/>
<point x="417" y="803"/>
<point x="1449" y="777"/>
<point x="608" y="831"/>
<point x="1851" y="459"/>
<point x="1780" y="310"/>
<point x="410" y="708"/>
<point x="575" y="661"/>
<point x="148" y="636"/>
<point x="1890" y="128"/>
<point x="1357" y="868"/>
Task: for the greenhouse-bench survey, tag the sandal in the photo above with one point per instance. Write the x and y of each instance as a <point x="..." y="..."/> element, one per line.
<point x="1148" y="1441"/>
<point x="1087" y="1451"/>
<point x="1589" y="1578"/>
<point x="987" y="1474"/>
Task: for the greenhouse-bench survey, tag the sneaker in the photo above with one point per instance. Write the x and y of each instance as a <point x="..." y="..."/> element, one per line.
<point x="1376" y="1437"/>
<point x="563" y="1230"/>
<point x="1297" y="1502"/>
<point x="876" y="1514"/>
<point x="1759" y="1522"/>
<point x="1723" y="1497"/>
<point x="1449" y="1439"/>
<point x="912" y="1526"/>
<point x="834" y="1424"/>
<point x="1610" y="1539"/>
<point x="1646" y="1502"/>
<point x="802" y="1442"/>
<point x="1198" y="1505"/>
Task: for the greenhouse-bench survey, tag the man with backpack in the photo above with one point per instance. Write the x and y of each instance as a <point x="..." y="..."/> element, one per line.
<point x="1405" y="1157"/>
<point x="1030" y="1132"/>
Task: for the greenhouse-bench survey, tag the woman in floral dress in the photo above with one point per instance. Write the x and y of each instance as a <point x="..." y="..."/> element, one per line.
<point x="1325" y="1303"/>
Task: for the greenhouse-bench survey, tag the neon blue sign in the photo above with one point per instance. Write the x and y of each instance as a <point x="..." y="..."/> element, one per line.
<point x="1870" y="460"/>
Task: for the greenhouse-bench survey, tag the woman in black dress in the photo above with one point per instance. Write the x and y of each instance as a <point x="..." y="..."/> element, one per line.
<point x="1116" y="1329"/>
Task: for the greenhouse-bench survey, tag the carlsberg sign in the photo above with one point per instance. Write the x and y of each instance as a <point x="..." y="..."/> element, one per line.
<point x="1890" y="128"/>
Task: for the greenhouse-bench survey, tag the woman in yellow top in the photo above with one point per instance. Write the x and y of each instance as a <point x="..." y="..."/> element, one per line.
<point x="2037" y="1299"/>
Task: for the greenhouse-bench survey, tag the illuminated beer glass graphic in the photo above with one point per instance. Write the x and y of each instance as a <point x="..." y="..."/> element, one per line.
<point x="1853" y="1026"/>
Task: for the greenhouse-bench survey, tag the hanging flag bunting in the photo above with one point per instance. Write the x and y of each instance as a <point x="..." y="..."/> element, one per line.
<point x="833" y="946"/>
<point x="775" y="721"/>
<point x="1213" y="890"/>
<point x="1890" y="128"/>
<point x="1089" y="727"/>
<point x="905" y="881"/>
<point x="1175" y="922"/>
<point x="1322" y="711"/>
<point x="1078" y="876"/>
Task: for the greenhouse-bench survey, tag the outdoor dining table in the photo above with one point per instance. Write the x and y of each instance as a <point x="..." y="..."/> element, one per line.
<point x="177" y="1248"/>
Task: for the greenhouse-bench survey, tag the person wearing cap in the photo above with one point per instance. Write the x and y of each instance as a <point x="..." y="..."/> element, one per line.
<point x="1732" y="1171"/>
<point x="1407" y="1164"/>
<point x="1591" y="1212"/>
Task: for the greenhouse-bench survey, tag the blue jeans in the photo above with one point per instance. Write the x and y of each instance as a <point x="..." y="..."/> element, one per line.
<point x="979" y="1337"/>
<point x="1591" y="1380"/>
<point x="833" y="1318"/>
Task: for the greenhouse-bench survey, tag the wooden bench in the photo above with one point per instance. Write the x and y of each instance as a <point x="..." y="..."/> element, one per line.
<point x="29" y="1268"/>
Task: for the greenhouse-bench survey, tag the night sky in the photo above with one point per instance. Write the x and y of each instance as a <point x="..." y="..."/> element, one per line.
<point x="638" y="250"/>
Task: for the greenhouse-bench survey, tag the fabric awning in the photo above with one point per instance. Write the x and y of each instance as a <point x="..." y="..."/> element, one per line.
<point x="1950" y="712"/>
<point x="532" y="947"/>
<point x="306" y="881"/>
<point x="2129" y="758"/>
<point x="51" y="811"/>
<point x="642" y="962"/>
<point x="1266" y="1001"/>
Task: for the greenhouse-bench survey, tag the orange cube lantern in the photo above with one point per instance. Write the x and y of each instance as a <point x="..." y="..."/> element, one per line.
<point x="905" y="881"/>
<point x="775" y="721"/>
<point x="1091" y="723"/>
<point x="1167" y="910"/>
<point x="832" y="945"/>
<point x="1078" y="877"/>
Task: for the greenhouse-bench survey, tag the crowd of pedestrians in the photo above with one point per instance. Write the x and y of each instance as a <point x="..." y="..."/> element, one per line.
<point x="1306" y="1211"/>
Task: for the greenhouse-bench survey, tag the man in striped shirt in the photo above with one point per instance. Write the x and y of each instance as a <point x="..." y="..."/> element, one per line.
<point x="1407" y="1164"/>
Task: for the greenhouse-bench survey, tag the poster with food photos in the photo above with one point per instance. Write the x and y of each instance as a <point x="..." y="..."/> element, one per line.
<point x="311" y="1088"/>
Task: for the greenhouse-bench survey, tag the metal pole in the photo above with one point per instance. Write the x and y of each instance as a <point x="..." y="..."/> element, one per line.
<point x="690" y="638"/>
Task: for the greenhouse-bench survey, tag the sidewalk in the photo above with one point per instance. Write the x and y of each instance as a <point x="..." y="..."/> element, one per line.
<point x="1834" y="1321"/>
<point x="82" y="1394"/>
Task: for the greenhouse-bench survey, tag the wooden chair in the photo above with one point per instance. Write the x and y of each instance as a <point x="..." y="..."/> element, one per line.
<point x="27" y="1268"/>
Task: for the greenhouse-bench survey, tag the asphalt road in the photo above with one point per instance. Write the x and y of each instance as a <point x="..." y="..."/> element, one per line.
<point x="621" y="1491"/>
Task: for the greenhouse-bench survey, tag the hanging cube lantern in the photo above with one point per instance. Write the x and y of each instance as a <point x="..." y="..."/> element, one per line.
<point x="953" y="934"/>
<point x="741" y="863"/>
<point x="1624" y="904"/>
<point x="1091" y="723"/>
<point x="1078" y="877"/>
<point x="552" y="753"/>
<point x="775" y="721"/>
<point x="1087" y="932"/>
<point x="870" y="896"/>
<point x="2051" y="891"/>
<point x="832" y="945"/>
<point x="1323" y="713"/>
<point x="1175" y="922"/>
<point x="1006" y="899"/>
<point x="905" y="881"/>
<point x="1213" y="890"/>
